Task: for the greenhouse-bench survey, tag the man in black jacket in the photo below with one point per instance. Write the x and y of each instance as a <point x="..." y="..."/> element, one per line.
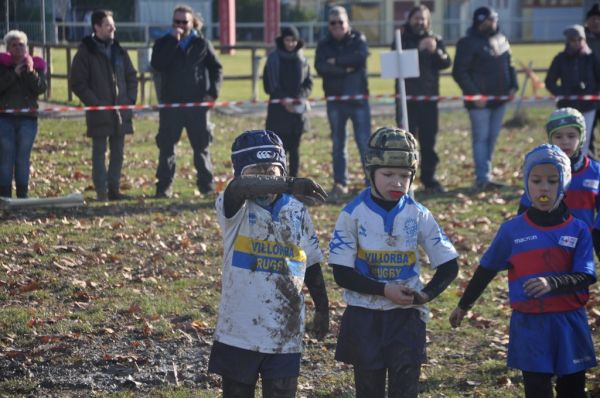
<point x="190" y="72"/>
<point x="423" y="115"/>
<point x="483" y="66"/>
<point x="102" y="74"/>
<point x="341" y="59"/>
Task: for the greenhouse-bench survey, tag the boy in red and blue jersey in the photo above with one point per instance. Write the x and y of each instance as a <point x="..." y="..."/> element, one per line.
<point x="549" y="258"/>
<point x="566" y="129"/>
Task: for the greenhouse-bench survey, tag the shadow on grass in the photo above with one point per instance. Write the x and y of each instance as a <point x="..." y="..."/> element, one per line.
<point x="494" y="380"/>
<point x="111" y="209"/>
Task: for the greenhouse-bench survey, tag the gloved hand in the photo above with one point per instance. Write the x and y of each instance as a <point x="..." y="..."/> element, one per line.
<point x="321" y="324"/>
<point x="420" y="298"/>
<point x="307" y="190"/>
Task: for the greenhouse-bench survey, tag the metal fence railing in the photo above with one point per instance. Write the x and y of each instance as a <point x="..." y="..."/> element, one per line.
<point x="518" y="29"/>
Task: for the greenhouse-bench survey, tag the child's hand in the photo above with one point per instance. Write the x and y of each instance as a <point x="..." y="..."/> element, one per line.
<point x="320" y="324"/>
<point x="399" y="294"/>
<point x="307" y="190"/>
<point x="536" y="287"/>
<point x="456" y="317"/>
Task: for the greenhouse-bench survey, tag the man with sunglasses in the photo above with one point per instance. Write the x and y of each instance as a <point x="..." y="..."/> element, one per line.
<point x="341" y="60"/>
<point x="190" y="72"/>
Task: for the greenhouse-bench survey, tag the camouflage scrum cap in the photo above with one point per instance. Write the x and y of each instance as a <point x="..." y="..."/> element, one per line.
<point x="392" y="147"/>
<point x="566" y="117"/>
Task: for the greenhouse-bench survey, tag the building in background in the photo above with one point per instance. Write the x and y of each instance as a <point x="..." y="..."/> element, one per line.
<point x="145" y="20"/>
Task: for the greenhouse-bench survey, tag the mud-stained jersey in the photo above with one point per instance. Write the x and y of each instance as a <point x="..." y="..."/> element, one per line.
<point x="384" y="245"/>
<point x="266" y="253"/>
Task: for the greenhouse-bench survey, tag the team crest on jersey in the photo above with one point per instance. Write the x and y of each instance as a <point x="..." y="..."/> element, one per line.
<point x="252" y="218"/>
<point x="592" y="184"/>
<point x="410" y="227"/>
<point x="568" y="241"/>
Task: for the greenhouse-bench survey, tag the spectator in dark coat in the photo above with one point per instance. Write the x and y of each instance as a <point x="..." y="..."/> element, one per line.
<point x="423" y="115"/>
<point x="483" y="66"/>
<point x="22" y="79"/>
<point x="592" y="36"/>
<point x="287" y="75"/>
<point x="341" y="59"/>
<point x="190" y="72"/>
<point x="102" y="74"/>
<point x="578" y="71"/>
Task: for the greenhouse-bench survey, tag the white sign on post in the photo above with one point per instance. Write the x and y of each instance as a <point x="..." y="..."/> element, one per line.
<point x="400" y="66"/>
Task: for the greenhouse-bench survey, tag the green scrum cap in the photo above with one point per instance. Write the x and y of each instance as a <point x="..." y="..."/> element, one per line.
<point x="392" y="147"/>
<point x="566" y="117"/>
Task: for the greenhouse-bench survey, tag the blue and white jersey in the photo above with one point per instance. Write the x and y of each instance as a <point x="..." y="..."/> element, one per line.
<point x="265" y="258"/>
<point x="383" y="246"/>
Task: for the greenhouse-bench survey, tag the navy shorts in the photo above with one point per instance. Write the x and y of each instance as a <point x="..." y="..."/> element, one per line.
<point x="244" y="366"/>
<point x="372" y="339"/>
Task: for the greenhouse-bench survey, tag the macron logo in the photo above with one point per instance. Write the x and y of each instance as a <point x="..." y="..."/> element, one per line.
<point x="525" y="239"/>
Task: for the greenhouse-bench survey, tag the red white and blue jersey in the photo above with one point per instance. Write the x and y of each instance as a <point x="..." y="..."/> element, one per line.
<point x="582" y="197"/>
<point x="529" y="251"/>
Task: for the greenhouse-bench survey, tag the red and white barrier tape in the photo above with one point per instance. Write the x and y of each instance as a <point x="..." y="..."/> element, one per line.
<point x="216" y="104"/>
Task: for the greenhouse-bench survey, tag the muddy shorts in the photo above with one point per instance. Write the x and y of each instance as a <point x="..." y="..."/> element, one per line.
<point x="371" y="339"/>
<point x="245" y="365"/>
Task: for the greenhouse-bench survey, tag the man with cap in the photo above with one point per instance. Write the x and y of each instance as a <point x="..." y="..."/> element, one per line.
<point x="592" y="36"/>
<point x="483" y="66"/>
<point x="287" y="75"/>
<point x="576" y="71"/>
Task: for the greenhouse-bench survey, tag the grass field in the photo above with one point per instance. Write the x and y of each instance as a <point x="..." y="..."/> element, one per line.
<point x="119" y="299"/>
<point x="241" y="63"/>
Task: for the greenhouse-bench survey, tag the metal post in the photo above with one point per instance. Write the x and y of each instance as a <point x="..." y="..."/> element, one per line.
<point x="401" y="87"/>
<point x="7" y="17"/>
<point x="255" y="65"/>
<point x="44" y="22"/>
<point x="69" y="90"/>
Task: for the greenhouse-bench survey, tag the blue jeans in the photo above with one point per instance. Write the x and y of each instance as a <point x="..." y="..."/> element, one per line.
<point x="485" y="128"/>
<point x="338" y="113"/>
<point x="17" y="135"/>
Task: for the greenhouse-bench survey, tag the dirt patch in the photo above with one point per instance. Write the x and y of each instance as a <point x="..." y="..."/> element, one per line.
<point x="109" y="364"/>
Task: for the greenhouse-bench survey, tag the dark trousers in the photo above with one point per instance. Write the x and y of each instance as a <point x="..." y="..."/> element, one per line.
<point x="423" y="124"/>
<point x="197" y="125"/>
<point x="289" y="127"/>
<point x="539" y="385"/>
<point x="107" y="179"/>
<point x="403" y="382"/>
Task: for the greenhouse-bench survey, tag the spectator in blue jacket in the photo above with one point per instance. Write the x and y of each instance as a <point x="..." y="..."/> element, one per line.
<point x="578" y="71"/>
<point x="483" y="66"/>
<point x="341" y="59"/>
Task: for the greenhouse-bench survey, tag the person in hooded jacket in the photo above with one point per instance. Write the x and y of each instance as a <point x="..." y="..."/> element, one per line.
<point x="483" y="66"/>
<point x="287" y="75"/>
<point x="578" y="71"/>
<point x="102" y="74"/>
<point x="423" y="115"/>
